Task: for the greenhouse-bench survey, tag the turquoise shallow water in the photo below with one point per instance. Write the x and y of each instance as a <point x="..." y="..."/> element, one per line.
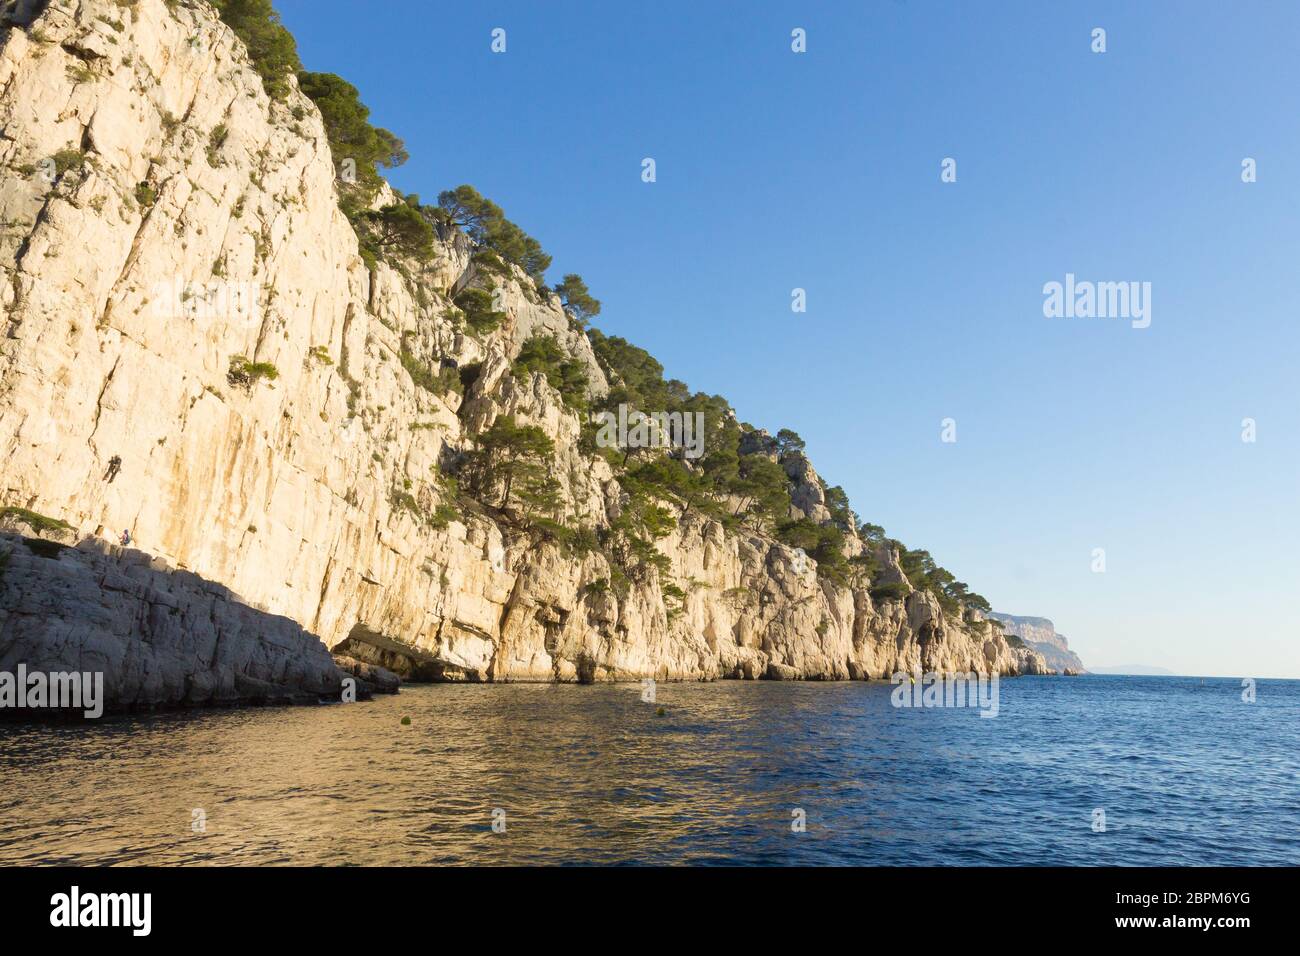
<point x="1186" y="772"/>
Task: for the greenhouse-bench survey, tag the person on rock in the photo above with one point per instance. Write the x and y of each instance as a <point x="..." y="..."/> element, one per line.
<point x="114" y="466"/>
<point x="126" y="538"/>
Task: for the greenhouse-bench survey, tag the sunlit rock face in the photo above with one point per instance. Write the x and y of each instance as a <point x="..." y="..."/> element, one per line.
<point x="163" y="221"/>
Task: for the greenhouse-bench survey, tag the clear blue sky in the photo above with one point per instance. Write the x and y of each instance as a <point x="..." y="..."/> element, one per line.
<point x="821" y="171"/>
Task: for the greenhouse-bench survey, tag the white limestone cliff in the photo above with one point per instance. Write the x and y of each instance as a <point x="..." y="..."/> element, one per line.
<point x="161" y="216"/>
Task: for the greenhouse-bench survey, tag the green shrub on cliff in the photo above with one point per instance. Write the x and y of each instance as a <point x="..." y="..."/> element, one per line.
<point x="396" y="230"/>
<point x="873" y="534"/>
<point x="39" y="523"/>
<point x="788" y="441"/>
<point x="636" y="376"/>
<point x="476" y="306"/>
<point x="446" y="379"/>
<point x="890" y="591"/>
<point x="581" y="305"/>
<point x="245" y="374"/>
<point x="637" y="381"/>
<point x="352" y="137"/>
<point x="271" y="47"/>
<point x="761" y="486"/>
<point x="568" y="376"/>
<point x="669" y="478"/>
<point x="925" y="575"/>
<point x="837" y="503"/>
<point x="358" y="147"/>
<point x="629" y="540"/>
<point x="488" y="228"/>
<point x="823" y="543"/>
<point x="513" y="461"/>
<point x="67" y="159"/>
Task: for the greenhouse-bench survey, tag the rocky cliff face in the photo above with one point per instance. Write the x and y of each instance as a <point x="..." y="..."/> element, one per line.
<point x="1040" y="634"/>
<point x="161" y="637"/>
<point x="165" y="221"/>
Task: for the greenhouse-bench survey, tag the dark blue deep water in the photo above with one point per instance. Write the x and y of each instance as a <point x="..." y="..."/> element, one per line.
<point x="1185" y="771"/>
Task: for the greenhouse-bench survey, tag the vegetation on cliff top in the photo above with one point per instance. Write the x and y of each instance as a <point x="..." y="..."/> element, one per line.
<point x="578" y="301"/>
<point x="351" y="135"/>
<point x="271" y="47"/>
<point x="489" y="229"/>
<point x="733" y="481"/>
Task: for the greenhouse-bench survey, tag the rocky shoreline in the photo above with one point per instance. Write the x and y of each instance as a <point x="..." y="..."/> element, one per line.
<point x="161" y="637"/>
<point x="167" y="639"/>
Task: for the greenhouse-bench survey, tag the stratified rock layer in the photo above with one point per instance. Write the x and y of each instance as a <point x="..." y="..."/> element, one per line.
<point x="163" y="216"/>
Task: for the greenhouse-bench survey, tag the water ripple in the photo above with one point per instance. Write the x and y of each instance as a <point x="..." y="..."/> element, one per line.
<point x="1186" y="774"/>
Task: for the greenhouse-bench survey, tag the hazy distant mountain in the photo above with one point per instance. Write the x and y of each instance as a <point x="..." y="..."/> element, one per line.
<point x="1040" y="634"/>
